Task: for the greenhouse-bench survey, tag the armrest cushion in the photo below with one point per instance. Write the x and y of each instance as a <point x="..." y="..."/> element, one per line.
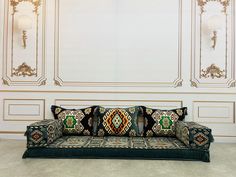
<point x="194" y="135"/>
<point x="43" y="133"/>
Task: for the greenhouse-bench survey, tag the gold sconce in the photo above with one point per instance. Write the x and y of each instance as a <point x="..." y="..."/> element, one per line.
<point x="214" y="24"/>
<point x="24" y="24"/>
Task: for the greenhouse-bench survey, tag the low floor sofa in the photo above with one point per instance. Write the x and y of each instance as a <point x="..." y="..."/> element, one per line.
<point x="131" y="133"/>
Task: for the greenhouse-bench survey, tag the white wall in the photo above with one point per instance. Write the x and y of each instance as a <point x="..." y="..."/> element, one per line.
<point x="118" y="53"/>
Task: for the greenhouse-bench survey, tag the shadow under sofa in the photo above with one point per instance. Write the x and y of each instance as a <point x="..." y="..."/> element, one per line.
<point x="46" y="140"/>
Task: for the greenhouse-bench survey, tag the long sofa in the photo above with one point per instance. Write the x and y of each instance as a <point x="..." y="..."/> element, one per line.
<point x="127" y="133"/>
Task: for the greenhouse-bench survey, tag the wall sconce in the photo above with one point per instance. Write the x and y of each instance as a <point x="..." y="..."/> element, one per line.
<point x="214" y="24"/>
<point x="24" y="23"/>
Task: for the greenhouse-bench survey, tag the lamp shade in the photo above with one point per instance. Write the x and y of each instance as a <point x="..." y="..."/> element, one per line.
<point x="215" y="22"/>
<point x="24" y="22"/>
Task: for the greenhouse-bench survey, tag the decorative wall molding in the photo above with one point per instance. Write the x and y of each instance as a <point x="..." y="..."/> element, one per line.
<point x="36" y="3"/>
<point x="213" y="71"/>
<point x="78" y="103"/>
<point x="15" y="70"/>
<point x="23" y="109"/>
<point x="205" y="70"/>
<point x="222" y="112"/>
<point x="219" y="115"/>
<point x="24" y="70"/>
<point x="58" y="81"/>
<point x="224" y="3"/>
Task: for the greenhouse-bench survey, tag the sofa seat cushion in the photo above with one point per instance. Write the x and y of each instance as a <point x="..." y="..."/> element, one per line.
<point x="118" y="142"/>
<point x="118" y="148"/>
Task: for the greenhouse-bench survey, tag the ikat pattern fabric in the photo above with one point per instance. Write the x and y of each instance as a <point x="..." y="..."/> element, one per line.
<point x="118" y="142"/>
<point x="75" y="121"/>
<point x="194" y="135"/>
<point x="118" y="121"/>
<point x="162" y="122"/>
<point x="182" y="132"/>
<point x="43" y="133"/>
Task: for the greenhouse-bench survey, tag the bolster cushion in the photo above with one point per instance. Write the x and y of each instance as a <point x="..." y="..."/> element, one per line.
<point x="194" y="135"/>
<point x="43" y="133"/>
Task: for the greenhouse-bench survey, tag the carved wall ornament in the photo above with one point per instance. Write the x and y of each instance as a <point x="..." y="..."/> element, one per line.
<point x="213" y="71"/>
<point x="57" y="83"/>
<point x="24" y="70"/>
<point x="5" y="82"/>
<point x="224" y="3"/>
<point x="209" y="16"/>
<point x="193" y="84"/>
<point x="36" y="3"/>
<point x="44" y="82"/>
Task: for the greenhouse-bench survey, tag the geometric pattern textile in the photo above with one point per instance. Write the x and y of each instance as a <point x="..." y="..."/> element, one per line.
<point x="194" y="135"/>
<point x="118" y="142"/>
<point x="162" y="122"/>
<point x="117" y="121"/>
<point x="41" y="134"/>
<point x="75" y="121"/>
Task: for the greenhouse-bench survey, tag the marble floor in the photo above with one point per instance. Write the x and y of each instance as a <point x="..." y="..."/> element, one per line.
<point x="223" y="164"/>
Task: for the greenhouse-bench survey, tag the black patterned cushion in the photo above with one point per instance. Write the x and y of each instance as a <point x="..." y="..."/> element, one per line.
<point x="194" y="135"/>
<point x="43" y="133"/>
<point x="162" y="122"/>
<point x="118" y="121"/>
<point x="75" y="121"/>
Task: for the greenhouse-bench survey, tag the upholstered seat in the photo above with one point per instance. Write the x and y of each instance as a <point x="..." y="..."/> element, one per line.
<point x="117" y="142"/>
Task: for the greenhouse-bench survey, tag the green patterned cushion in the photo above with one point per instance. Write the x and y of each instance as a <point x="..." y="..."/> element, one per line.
<point x="75" y="121"/>
<point x="118" y="121"/>
<point x="162" y="122"/>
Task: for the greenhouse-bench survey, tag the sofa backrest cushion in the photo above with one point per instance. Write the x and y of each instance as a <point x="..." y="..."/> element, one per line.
<point x="117" y="121"/>
<point x="75" y="121"/>
<point x="162" y="122"/>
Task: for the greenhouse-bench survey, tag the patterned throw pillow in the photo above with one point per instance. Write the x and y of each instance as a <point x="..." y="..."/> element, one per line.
<point x="75" y="121"/>
<point x="162" y="122"/>
<point x="118" y="121"/>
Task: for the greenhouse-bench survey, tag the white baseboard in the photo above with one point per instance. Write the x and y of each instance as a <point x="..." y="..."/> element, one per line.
<point x="13" y="136"/>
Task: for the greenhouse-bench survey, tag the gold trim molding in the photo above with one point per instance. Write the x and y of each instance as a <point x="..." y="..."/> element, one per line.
<point x="224" y="3"/>
<point x="20" y="115"/>
<point x="213" y="71"/>
<point x="60" y="82"/>
<point x="11" y="74"/>
<point x="118" y="92"/>
<point x="213" y="76"/>
<point x="219" y="102"/>
<point x="12" y="132"/>
<point x="24" y="70"/>
<point x="36" y="3"/>
<point x="117" y="100"/>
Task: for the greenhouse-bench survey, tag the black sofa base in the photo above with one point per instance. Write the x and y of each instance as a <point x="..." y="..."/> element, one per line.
<point x="118" y="153"/>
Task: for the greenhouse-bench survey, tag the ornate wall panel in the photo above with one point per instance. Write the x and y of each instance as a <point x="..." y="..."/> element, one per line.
<point x="24" y="57"/>
<point x="114" y="43"/>
<point x="219" y="115"/>
<point x="213" y="55"/>
<point x="23" y="110"/>
<point x="78" y="103"/>
<point x="214" y="112"/>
